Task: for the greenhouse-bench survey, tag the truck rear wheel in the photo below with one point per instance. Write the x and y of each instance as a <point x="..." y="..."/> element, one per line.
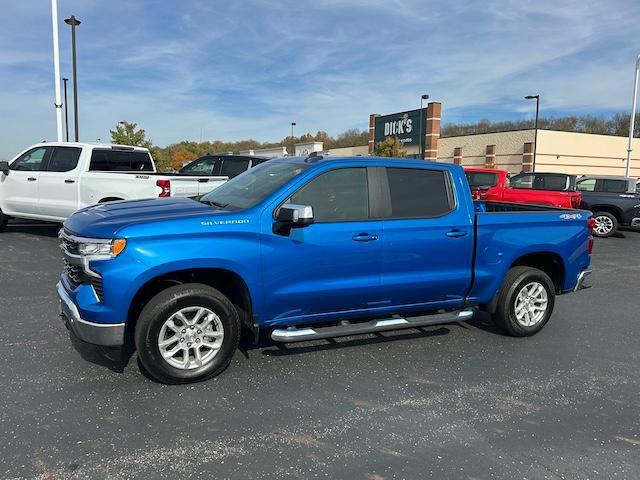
<point x="187" y="333"/>
<point x="525" y="302"/>
<point x="606" y="224"/>
<point x="3" y="221"/>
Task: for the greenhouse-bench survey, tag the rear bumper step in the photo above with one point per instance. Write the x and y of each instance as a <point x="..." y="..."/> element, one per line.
<point x="395" y="323"/>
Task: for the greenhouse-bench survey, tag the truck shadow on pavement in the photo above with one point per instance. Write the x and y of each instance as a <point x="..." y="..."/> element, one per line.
<point x="41" y="229"/>
<point x="118" y="359"/>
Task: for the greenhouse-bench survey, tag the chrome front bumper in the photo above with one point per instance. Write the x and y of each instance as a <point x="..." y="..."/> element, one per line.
<point x="108" y="335"/>
<point x="581" y="278"/>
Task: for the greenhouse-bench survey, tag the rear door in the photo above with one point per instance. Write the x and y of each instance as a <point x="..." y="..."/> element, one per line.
<point x="427" y="243"/>
<point x="21" y="186"/>
<point x="58" y="194"/>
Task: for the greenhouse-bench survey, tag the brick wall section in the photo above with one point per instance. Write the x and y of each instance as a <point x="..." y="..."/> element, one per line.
<point x="490" y="157"/>
<point x="457" y="155"/>
<point x="432" y="133"/>
<point x="372" y="132"/>
<point x="527" y="157"/>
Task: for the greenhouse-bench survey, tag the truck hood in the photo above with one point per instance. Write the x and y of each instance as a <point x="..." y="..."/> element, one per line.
<point x="105" y="220"/>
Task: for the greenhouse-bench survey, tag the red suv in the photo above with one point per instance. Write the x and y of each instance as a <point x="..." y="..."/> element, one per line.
<point x="555" y="189"/>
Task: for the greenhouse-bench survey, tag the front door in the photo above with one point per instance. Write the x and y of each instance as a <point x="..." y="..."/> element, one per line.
<point x="331" y="267"/>
<point x="59" y="183"/>
<point x="21" y="185"/>
<point x="427" y="241"/>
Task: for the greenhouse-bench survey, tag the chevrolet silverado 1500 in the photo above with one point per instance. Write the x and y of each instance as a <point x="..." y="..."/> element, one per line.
<point x="50" y="181"/>
<point x="309" y="248"/>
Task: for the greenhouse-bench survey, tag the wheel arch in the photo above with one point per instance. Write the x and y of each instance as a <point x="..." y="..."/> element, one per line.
<point x="550" y="263"/>
<point x="612" y="209"/>
<point x="229" y="283"/>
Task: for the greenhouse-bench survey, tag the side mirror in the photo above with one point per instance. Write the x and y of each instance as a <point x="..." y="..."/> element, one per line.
<point x="4" y="167"/>
<point x="292" y="216"/>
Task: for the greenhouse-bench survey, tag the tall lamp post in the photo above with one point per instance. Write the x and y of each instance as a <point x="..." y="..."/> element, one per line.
<point x="56" y="69"/>
<point x="421" y="144"/>
<point x="633" y="116"/>
<point x="535" y="135"/>
<point x="74" y="22"/>
<point x="293" y="145"/>
<point x="66" y="108"/>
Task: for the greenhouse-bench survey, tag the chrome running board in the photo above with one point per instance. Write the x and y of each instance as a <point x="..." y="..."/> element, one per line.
<point x="293" y="334"/>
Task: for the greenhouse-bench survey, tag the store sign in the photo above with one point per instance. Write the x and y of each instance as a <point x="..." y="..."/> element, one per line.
<point x="405" y="126"/>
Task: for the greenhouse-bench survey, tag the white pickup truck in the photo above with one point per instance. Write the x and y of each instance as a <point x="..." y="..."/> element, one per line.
<point x="50" y="181"/>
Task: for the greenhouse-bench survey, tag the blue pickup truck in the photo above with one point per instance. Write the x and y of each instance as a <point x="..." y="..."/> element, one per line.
<point x="308" y="248"/>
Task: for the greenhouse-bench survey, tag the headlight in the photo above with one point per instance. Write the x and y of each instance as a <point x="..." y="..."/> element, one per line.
<point x="102" y="249"/>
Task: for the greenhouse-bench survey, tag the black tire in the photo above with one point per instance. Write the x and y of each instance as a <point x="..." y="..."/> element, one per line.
<point x="608" y="219"/>
<point x="3" y="221"/>
<point x="515" y="280"/>
<point x="161" y="307"/>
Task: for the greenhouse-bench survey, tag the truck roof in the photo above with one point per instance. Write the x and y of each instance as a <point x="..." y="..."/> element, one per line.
<point x="90" y="145"/>
<point x="359" y="159"/>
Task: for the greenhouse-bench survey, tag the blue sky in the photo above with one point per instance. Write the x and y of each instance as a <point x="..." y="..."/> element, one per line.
<point x="246" y="69"/>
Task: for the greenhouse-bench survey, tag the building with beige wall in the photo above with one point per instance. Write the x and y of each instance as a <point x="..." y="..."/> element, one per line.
<point x="566" y="152"/>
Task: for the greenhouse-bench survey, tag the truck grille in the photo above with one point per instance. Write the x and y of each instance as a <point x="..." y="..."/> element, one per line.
<point x="74" y="272"/>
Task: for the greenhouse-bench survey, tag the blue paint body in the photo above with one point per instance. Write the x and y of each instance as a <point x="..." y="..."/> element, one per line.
<point x="319" y="272"/>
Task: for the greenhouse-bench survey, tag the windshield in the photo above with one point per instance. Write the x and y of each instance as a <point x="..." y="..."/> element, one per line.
<point x="253" y="186"/>
<point x="482" y="179"/>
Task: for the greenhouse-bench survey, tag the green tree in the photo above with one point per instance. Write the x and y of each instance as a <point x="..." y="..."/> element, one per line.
<point x="390" y="147"/>
<point x="126" y="134"/>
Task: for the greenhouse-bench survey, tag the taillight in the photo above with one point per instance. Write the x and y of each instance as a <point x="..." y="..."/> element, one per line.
<point x="591" y="223"/>
<point x="576" y="200"/>
<point x="165" y="186"/>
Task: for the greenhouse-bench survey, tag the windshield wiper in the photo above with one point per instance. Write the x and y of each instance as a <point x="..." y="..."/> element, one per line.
<point x="215" y="204"/>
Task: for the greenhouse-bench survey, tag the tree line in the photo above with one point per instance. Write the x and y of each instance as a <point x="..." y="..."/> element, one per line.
<point x="174" y="156"/>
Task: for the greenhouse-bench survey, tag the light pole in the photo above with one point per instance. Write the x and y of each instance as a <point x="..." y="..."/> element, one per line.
<point x="56" y="68"/>
<point x="74" y="22"/>
<point x="632" y="121"/>
<point x="66" y="109"/>
<point x="535" y="135"/>
<point x="293" y="145"/>
<point x="421" y="143"/>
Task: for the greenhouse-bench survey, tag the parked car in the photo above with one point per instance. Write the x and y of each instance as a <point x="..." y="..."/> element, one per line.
<point x="224" y="165"/>
<point x="307" y="249"/>
<point x="614" y="201"/>
<point x="555" y="189"/>
<point x="50" y="181"/>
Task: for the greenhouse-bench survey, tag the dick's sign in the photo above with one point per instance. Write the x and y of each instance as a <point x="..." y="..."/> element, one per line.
<point x="405" y="126"/>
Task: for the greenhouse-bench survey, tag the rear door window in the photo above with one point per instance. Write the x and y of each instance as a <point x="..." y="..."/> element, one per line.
<point x="419" y="193"/>
<point x="614" y="186"/>
<point x="63" y="159"/>
<point x="232" y="167"/>
<point x="120" y="161"/>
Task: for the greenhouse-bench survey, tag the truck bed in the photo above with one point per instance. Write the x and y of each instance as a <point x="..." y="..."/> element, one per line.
<point x="500" y="207"/>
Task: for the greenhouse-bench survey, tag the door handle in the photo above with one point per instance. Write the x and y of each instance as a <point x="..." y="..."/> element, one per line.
<point x="31" y="179"/>
<point x="456" y="234"/>
<point x="364" y="237"/>
<point x="68" y="180"/>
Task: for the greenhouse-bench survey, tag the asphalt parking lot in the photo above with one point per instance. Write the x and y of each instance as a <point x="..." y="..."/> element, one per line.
<point x="455" y="401"/>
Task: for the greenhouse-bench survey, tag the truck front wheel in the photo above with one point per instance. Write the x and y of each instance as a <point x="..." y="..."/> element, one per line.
<point x="525" y="302"/>
<point x="187" y="333"/>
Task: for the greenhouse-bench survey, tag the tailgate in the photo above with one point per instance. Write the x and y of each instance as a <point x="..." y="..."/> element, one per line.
<point x="193" y="186"/>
